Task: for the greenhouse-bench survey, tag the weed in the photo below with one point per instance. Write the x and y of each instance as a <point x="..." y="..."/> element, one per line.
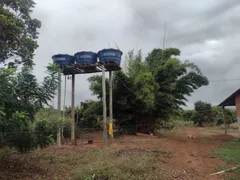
<point x="106" y="165"/>
<point x="160" y="151"/>
<point x="209" y="141"/>
<point x="229" y="152"/>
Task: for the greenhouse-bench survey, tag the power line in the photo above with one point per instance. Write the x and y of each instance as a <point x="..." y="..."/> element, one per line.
<point x="222" y="80"/>
<point x="155" y="102"/>
<point x="9" y="133"/>
<point x="164" y="34"/>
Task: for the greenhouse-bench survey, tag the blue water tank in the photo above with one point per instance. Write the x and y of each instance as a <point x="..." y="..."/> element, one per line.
<point x="108" y="55"/>
<point x="85" y="57"/>
<point x="63" y="59"/>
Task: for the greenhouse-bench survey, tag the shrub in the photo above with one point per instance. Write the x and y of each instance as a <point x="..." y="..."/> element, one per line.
<point x="218" y="116"/>
<point x="45" y="132"/>
<point x="202" y="113"/>
<point x="18" y="132"/>
<point x="187" y="114"/>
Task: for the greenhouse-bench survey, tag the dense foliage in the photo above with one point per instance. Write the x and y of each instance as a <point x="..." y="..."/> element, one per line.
<point x="18" y="32"/>
<point x="219" y="115"/>
<point x="21" y="98"/>
<point x="153" y="88"/>
<point x="205" y="113"/>
<point x="20" y="93"/>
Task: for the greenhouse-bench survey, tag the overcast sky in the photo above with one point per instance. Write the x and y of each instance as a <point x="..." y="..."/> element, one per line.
<point x="206" y="32"/>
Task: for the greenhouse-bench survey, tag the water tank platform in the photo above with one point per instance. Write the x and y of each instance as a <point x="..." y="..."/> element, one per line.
<point x="90" y="68"/>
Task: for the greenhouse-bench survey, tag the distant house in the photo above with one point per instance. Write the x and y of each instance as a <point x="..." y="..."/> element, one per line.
<point x="233" y="100"/>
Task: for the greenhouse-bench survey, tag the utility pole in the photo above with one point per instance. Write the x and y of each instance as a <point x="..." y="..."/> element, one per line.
<point x="53" y="109"/>
<point x="110" y="106"/>
<point x="73" y="109"/>
<point x="64" y="99"/>
<point x="104" y="107"/>
<point x="59" y="107"/>
<point x="164" y="34"/>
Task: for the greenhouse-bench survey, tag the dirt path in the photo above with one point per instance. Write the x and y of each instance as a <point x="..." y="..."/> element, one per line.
<point x="190" y="160"/>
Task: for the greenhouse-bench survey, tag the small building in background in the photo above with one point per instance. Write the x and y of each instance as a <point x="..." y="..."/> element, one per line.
<point x="233" y="100"/>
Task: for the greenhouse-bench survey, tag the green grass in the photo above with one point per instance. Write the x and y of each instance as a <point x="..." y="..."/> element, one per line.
<point x="119" y="164"/>
<point x="160" y="151"/>
<point x="229" y="152"/>
<point x="179" y="123"/>
<point x="222" y="131"/>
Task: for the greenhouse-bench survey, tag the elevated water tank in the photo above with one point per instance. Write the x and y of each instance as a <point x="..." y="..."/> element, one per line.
<point x="85" y="57"/>
<point x="63" y="59"/>
<point x="108" y="55"/>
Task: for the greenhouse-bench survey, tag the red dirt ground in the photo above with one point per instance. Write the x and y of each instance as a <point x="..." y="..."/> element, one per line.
<point x="189" y="159"/>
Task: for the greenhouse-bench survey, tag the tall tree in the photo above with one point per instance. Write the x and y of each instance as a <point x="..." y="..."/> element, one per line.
<point x="20" y="93"/>
<point x="157" y="86"/>
<point x="18" y="32"/>
<point x="203" y="112"/>
<point x="176" y="79"/>
<point x="21" y="97"/>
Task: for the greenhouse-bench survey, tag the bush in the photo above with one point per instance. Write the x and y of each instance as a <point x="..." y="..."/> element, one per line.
<point x="23" y="141"/>
<point x="47" y="124"/>
<point x="218" y="116"/>
<point x="202" y="113"/>
<point x="92" y="116"/>
<point x="46" y="132"/>
<point x="187" y="115"/>
<point x="18" y="133"/>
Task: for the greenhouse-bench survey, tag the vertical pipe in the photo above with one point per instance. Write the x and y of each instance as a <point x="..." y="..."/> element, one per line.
<point x="110" y="106"/>
<point x="59" y="107"/>
<point x="73" y="109"/>
<point x="164" y="34"/>
<point x="104" y="107"/>
<point x="53" y="108"/>
<point x="64" y="99"/>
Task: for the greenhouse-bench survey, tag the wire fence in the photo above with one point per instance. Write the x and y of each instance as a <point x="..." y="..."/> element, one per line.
<point x="83" y="133"/>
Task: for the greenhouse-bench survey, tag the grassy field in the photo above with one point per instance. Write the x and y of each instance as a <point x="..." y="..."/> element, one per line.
<point x="169" y="155"/>
<point x="121" y="164"/>
<point x="229" y="152"/>
<point x="88" y="164"/>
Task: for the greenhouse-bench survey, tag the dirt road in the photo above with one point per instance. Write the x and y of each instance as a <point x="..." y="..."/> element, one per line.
<point x="190" y="159"/>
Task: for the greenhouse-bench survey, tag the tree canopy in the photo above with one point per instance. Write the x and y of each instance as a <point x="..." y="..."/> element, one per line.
<point x="18" y="32"/>
<point x="20" y="93"/>
<point x="203" y="112"/>
<point x="21" y="98"/>
<point x="157" y="86"/>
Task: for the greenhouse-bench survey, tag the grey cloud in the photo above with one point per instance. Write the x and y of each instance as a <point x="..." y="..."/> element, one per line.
<point x="206" y="32"/>
<point x="185" y="24"/>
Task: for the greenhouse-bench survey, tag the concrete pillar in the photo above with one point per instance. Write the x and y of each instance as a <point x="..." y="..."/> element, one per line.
<point x="237" y="102"/>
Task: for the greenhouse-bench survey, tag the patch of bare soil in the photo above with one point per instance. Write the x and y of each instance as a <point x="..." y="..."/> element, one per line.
<point x="190" y="158"/>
